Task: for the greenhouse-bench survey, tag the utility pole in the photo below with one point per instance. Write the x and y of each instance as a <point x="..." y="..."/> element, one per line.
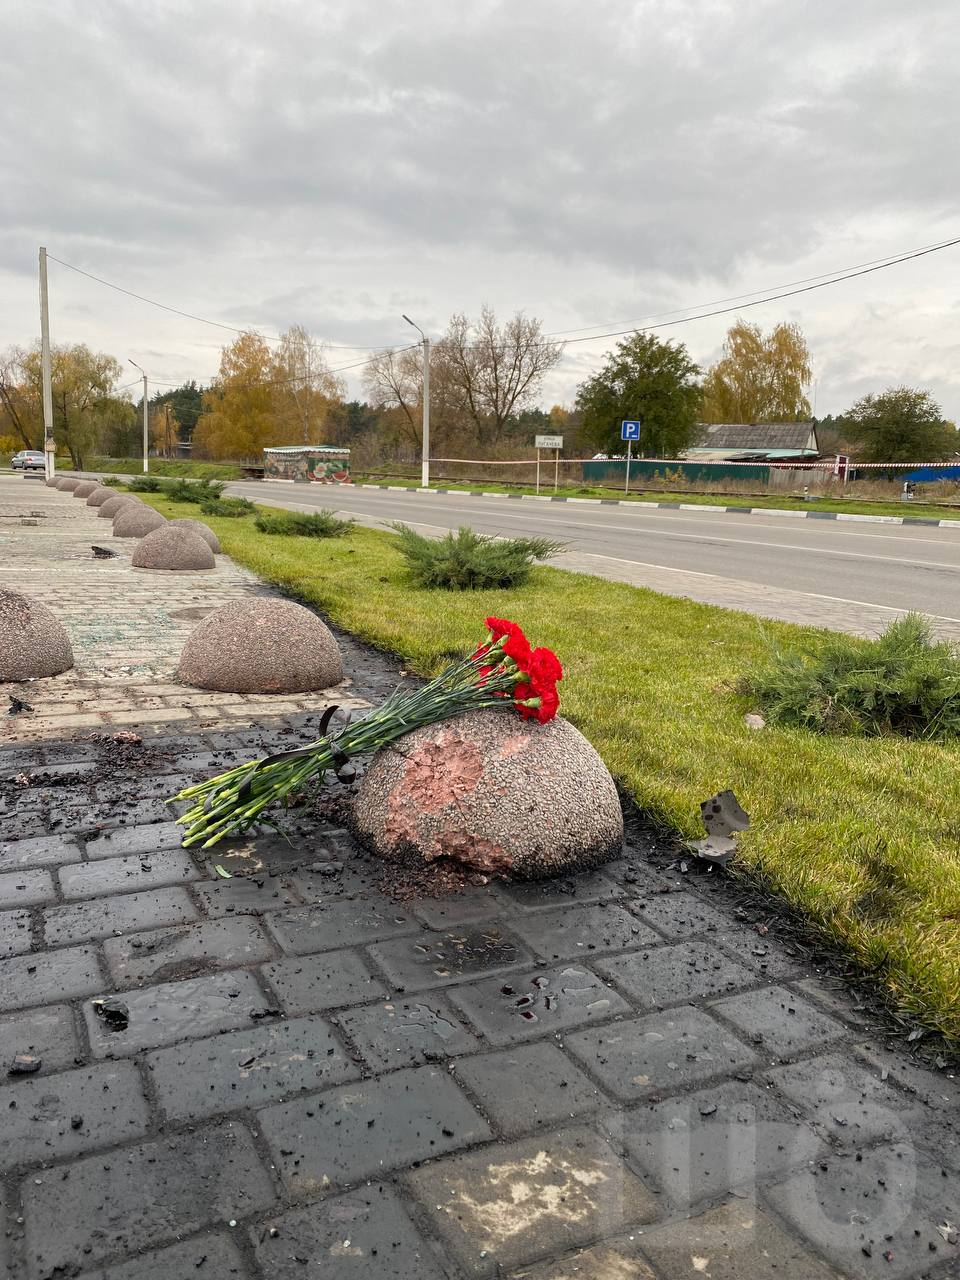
<point x="49" y="448"/>
<point x="146" y="420"/>
<point x="425" y="465"/>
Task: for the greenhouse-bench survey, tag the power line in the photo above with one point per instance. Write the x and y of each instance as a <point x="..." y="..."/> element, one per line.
<point x="716" y="302"/>
<point x="187" y="315"/>
<point x="284" y="382"/>
<point x="788" y="293"/>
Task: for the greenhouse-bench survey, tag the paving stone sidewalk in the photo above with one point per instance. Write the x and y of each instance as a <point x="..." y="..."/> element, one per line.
<point x="615" y="1077"/>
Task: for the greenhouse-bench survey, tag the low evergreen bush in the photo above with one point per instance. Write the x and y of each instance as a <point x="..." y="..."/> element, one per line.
<point x="902" y="683"/>
<point x="112" y="482"/>
<point x="226" y="507"/>
<point x="471" y="561"/>
<point x="144" y="484"/>
<point x="320" y="524"/>
<point x="191" y="490"/>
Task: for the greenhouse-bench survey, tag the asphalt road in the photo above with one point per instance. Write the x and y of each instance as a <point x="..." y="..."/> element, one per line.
<point x="848" y="575"/>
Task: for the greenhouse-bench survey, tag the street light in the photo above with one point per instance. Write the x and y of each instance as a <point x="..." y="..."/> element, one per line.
<point x="146" y="419"/>
<point x="425" y="468"/>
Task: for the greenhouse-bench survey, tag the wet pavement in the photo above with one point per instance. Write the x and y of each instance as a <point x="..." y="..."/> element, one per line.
<point x="620" y="1076"/>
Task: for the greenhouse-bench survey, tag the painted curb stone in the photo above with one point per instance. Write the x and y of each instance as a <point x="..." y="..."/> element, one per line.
<point x="33" y="641"/>
<point x="261" y="645"/>
<point x="177" y="550"/>
<point x="486" y="790"/>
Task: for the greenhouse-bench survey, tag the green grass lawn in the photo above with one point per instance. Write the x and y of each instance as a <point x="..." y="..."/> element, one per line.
<point x="849" y="506"/>
<point x="863" y="835"/>
<point x="168" y="467"/>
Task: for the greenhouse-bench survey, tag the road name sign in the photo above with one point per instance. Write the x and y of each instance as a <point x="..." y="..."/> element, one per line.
<point x="629" y="429"/>
<point x="549" y="442"/>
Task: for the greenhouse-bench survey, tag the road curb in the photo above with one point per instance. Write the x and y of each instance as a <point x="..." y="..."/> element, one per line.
<point x="703" y="508"/>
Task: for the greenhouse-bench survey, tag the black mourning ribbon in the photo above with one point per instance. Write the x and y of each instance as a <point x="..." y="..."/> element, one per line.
<point x="301" y="753"/>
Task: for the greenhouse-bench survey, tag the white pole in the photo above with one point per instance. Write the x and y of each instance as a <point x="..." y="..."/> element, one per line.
<point x="425" y="469"/>
<point x="146" y="419"/>
<point x="538" y="473"/>
<point x="626" y="487"/>
<point x="49" y="455"/>
<point x="556" y="469"/>
<point x="146" y="428"/>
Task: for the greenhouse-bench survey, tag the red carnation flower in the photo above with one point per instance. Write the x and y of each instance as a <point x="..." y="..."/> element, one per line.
<point x="545" y="667"/>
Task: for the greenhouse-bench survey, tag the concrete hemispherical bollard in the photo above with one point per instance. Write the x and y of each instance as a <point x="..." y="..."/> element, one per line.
<point x="51" y="482"/>
<point x="67" y="483"/>
<point x="85" y="488"/>
<point x="107" y="510"/>
<point x="177" y="550"/>
<point x="33" y="642"/>
<point x="261" y="645"/>
<point x="136" y="520"/>
<point x="100" y="495"/>
<point x="204" y="530"/>
<point x="499" y="796"/>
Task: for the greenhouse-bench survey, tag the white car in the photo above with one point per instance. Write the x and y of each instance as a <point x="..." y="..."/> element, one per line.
<point x="28" y="460"/>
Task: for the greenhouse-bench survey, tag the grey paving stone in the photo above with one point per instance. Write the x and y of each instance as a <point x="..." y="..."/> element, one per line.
<point x="368" y="1128"/>
<point x="174" y="1010"/>
<point x="504" y="1206"/>
<point x="701" y="1145"/>
<point x="168" y="955"/>
<point x="121" y="913"/>
<point x="478" y="902"/>
<point x="675" y="974"/>
<point x="46" y="1033"/>
<point x="127" y="875"/>
<point x="936" y="1089"/>
<point x="307" y="984"/>
<point x="660" y="1053"/>
<point x="439" y="959"/>
<point x="46" y="977"/>
<point x="207" y="1257"/>
<point x="338" y="923"/>
<point x="26" y="888"/>
<point x="406" y="1032"/>
<point x="540" y="895"/>
<point x="769" y="961"/>
<point x="6" y="1268"/>
<point x="848" y="1102"/>
<point x="524" y="1006"/>
<point x="523" y="1088"/>
<point x="737" y="1241"/>
<point x="612" y="1260"/>
<point x="249" y="896"/>
<point x="780" y="1020"/>
<point x="14" y="933"/>
<point x="364" y="1235"/>
<point x="39" y="851"/>
<point x="148" y="838"/>
<point x="143" y="1196"/>
<point x="679" y="915"/>
<point x="40" y="1113"/>
<point x="267" y="1063"/>
<point x="855" y="1212"/>
<point x="131" y="813"/>
<point x="572" y="933"/>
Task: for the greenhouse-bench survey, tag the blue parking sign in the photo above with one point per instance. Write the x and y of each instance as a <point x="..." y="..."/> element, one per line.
<point x="629" y="430"/>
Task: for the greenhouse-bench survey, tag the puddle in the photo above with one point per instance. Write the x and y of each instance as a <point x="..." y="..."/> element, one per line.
<point x="542" y="998"/>
<point x="418" y="1018"/>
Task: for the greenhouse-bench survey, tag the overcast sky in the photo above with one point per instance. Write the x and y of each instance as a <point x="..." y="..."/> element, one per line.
<point x="594" y="162"/>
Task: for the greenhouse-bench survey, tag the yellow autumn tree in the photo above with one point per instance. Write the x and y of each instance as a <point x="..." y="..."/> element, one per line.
<point x="263" y="398"/>
<point x="759" y="378"/>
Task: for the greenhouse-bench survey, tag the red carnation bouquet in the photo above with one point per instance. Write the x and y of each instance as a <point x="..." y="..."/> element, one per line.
<point x="503" y="671"/>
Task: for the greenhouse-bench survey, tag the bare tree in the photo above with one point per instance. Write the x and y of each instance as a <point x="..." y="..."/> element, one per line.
<point x="394" y="380"/>
<point x="499" y="369"/>
<point x="311" y="388"/>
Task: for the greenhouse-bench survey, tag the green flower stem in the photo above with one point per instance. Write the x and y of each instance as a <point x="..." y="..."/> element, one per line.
<point x="219" y="810"/>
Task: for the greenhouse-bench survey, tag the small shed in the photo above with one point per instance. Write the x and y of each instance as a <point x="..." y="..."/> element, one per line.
<point x="323" y="463"/>
<point x="754" y="441"/>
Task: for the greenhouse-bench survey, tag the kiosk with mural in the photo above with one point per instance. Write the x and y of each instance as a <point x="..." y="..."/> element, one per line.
<point x="323" y="463"/>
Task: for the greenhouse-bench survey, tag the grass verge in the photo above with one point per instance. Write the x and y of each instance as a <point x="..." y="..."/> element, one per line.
<point x="168" y="467"/>
<point x="863" y="835"/>
<point x="785" y="502"/>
